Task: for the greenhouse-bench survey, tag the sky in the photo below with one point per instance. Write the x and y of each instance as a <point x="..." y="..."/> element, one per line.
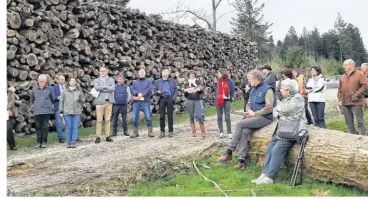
<point x="321" y="14"/>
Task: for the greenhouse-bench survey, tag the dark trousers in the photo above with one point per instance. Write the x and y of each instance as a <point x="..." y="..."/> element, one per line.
<point x="10" y="134"/>
<point x="42" y="127"/>
<point x="318" y="112"/>
<point x="245" y="103"/>
<point x="307" y="113"/>
<point x="116" y="110"/>
<point x="166" y="105"/>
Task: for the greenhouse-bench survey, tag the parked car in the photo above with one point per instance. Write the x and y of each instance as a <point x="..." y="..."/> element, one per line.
<point x="333" y="81"/>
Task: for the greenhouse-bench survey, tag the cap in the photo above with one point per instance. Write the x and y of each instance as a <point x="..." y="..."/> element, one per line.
<point x="266" y="67"/>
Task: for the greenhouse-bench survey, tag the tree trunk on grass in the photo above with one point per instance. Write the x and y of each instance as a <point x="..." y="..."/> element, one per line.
<point x="330" y="156"/>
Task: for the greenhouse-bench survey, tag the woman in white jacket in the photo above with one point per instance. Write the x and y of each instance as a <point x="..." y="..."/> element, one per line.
<point x="316" y="88"/>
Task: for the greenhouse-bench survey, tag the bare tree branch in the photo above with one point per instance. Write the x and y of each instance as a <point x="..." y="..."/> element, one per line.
<point x="218" y="3"/>
<point x="218" y="18"/>
<point x="194" y="13"/>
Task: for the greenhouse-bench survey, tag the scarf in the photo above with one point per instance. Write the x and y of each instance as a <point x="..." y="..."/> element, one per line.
<point x="72" y="88"/>
<point x="223" y="90"/>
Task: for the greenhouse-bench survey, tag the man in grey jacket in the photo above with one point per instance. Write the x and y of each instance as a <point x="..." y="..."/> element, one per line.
<point x="42" y="98"/>
<point x="104" y="101"/>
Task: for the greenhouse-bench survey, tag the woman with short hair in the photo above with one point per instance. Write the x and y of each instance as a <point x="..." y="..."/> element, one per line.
<point x="71" y="107"/>
<point x="290" y="108"/>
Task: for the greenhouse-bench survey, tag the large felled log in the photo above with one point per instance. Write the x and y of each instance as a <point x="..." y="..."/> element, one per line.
<point x="330" y="156"/>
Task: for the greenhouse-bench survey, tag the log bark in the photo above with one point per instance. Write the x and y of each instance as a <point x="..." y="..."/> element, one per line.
<point x="330" y="156"/>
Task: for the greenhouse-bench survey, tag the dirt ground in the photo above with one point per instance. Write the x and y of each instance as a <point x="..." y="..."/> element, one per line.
<point x="56" y="171"/>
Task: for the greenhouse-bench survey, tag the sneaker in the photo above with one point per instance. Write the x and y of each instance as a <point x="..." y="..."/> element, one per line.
<point x="126" y="134"/>
<point x="230" y="136"/>
<point x="256" y="180"/>
<point x="221" y="135"/>
<point x="68" y="145"/>
<point x="73" y="145"/>
<point x="109" y="139"/>
<point x="61" y="140"/>
<point x="98" y="140"/>
<point x="37" y="146"/>
<point x="13" y="148"/>
<point x="43" y="145"/>
<point x="264" y="180"/>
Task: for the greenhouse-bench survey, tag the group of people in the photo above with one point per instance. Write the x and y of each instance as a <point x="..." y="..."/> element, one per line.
<point x="295" y="95"/>
<point x="264" y="99"/>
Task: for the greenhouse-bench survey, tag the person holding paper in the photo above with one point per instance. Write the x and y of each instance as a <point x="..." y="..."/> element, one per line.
<point x="10" y="119"/>
<point x="105" y="87"/>
<point x="193" y="92"/>
<point x="167" y="91"/>
<point x="58" y="89"/>
<point x="258" y="116"/>
<point x="141" y="91"/>
<point x="70" y="108"/>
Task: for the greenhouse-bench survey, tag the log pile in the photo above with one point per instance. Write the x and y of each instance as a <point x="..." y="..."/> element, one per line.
<point x="75" y="38"/>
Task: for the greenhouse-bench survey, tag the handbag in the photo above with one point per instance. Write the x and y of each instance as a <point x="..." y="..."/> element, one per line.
<point x="288" y="129"/>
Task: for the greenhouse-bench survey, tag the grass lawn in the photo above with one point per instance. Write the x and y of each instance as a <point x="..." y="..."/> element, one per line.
<point x="236" y="183"/>
<point x="341" y="126"/>
<point x="29" y="141"/>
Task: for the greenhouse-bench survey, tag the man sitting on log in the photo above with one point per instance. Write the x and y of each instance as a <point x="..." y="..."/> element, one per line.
<point x="258" y="116"/>
<point x="122" y="96"/>
<point x="58" y="88"/>
<point x="106" y="87"/>
<point x="141" y="91"/>
<point x="42" y="98"/>
<point x="350" y="95"/>
<point x="167" y="91"/>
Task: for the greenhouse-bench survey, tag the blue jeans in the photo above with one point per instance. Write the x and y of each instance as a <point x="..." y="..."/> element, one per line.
<point x="59" y="125"/>
<point x="71" y="122"/>
<point x="276" y="151"/>
<point x="137" y="106"/>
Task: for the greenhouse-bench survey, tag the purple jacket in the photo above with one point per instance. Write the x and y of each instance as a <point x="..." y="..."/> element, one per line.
<point x="143" y="86"/>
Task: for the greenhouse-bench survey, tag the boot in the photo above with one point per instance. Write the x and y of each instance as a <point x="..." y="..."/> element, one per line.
<point x="135" y="133"/>
<point x="194" y="133"/>
<point x="240" y="165"/>
<point x="201" y="126"/>
<point x="225" y="158"/>
<point x="109" y="139"/>
<point x="150" y="133"/>
<point x="171" y="134"/>
<point x="162" y="134"/>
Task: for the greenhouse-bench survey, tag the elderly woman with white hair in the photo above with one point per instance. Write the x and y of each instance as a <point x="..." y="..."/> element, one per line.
<point x="290" y="108"/>
<point x="42" y="98"/>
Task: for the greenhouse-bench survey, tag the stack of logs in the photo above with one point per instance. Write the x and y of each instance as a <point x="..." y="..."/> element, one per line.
<point x="75" y="38"/>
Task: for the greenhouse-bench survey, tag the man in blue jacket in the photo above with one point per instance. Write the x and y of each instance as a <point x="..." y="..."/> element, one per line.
<point x="167" y="91"/>
<point x="58" y="89"/>
<point x="122" y="96"/>
<point x="141" y="91"/>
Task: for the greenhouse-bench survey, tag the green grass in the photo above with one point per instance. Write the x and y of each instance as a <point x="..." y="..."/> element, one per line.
<point x="340" y="125"/>
<point x="236" y="183"/>
<point x="30" y="140"/>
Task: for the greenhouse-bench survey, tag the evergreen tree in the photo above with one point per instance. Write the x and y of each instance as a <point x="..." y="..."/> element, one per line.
<point x="249" y="24"/>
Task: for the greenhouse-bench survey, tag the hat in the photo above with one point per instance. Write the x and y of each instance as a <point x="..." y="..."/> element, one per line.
<point x="266" y="67"/>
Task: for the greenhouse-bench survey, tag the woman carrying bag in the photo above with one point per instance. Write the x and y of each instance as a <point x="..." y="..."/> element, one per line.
<point x="291" y="120"/>
<point x="71" y="108"/>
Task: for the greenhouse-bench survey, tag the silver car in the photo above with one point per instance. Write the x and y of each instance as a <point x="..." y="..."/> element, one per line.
<point x="333" y="81"/>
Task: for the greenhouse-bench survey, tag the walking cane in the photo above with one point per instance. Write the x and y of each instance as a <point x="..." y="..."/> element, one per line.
<point x="304" y="137"/>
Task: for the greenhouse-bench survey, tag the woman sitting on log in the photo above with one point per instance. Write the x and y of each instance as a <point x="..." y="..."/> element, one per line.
<point x="71" y="107"/>
<point x="193" y="92"/>
<point x="291" y="108"/>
